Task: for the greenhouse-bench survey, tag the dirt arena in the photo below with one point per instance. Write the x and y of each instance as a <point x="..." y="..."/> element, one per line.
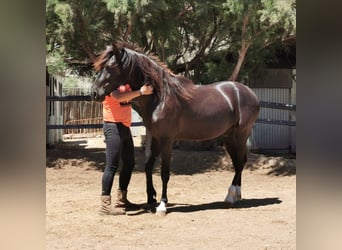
<point x="197" y="217"/>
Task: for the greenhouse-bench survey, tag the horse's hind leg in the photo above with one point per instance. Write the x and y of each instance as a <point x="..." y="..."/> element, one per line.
<point x="237" y="149"/>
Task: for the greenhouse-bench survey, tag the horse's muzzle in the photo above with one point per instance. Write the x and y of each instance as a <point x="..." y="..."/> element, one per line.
<point x="93" y="95"/>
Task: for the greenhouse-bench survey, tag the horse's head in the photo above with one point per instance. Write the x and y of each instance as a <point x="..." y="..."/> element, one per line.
<point x="111" y="72"/>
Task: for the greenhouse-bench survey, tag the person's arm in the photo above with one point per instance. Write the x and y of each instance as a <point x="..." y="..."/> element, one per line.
<point x="128" y="96"/>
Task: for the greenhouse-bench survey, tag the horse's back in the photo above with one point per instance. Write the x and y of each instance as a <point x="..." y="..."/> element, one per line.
<point x="211" y="112"/>
<point x="230" y="90"/>
<point x="239" y="97"/>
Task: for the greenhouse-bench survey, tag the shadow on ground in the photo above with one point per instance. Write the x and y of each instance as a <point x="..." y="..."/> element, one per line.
<point x="244" y="203"/>
<point x="217" y="205"/>
<point x="75" y="154"/>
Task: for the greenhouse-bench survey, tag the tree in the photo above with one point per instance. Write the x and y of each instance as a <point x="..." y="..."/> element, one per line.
<point x="76" y="29"/>
<point x="206" y="40"/>
<point x="259" y="24"/>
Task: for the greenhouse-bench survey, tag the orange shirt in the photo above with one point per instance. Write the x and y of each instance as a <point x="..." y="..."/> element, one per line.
<point x="114" y="112"/>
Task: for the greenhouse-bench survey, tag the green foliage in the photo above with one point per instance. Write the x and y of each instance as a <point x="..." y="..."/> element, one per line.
<point x="76" y="85"/>
<point x="70" y="82"/>
<point x="192" y="36"/>
<point x="76" y="29"/>
<point x="55" y="63"/>
<point x="213" y="72"/>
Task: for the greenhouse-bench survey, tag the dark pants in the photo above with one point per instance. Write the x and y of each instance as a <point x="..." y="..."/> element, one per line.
<point x="119" y="143"/>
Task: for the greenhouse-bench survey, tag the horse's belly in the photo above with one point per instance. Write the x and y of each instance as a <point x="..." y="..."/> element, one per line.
<point x="203" y="130"/>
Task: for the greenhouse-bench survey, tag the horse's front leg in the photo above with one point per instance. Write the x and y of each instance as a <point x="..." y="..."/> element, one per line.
<point x="151" y="192"/>
<point x="166" y="150"/>
<point x="151" y="152"/>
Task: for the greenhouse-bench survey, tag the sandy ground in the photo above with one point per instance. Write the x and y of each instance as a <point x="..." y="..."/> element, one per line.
<point x="197" y="217"/>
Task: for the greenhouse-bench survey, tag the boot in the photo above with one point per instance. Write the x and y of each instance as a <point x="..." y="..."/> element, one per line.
<point x="123" y="202"/>
<point x="107" y="208"/>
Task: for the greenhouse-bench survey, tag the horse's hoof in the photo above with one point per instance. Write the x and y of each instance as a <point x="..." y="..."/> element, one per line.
<point x="230" y="201"/>
<point x="229" y="204"/>
<point x="234" y="194"/>
<point x="161" y="209"/>
<point x="160" y="212"/>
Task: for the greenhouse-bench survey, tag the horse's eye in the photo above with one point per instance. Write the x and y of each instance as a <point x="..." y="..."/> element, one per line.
<point x="112" y="61"/>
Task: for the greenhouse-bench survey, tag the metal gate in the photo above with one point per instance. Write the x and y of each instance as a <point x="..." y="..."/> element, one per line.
<point x="267" y="136"/>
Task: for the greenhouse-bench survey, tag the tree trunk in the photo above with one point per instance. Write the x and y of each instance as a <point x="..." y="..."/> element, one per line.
<point x="89" y="52"/>
<point x="242" y="55"/>
<point x="243" y="50"/>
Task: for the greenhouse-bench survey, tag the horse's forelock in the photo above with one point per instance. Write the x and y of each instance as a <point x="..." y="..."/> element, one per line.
<point x="103" y="58"/>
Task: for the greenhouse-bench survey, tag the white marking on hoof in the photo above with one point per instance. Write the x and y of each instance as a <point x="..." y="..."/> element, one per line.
<point x="231" y="197"/>
<point x="161" y="209"/>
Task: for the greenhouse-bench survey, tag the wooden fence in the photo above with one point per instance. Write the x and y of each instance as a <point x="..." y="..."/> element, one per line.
<point x="79" y="112"/>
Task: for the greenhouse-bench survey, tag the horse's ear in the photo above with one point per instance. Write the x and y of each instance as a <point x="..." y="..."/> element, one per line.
<point x="115" y="48"/>
<point x="120" y="54"/>
<point x="117" y="51"/>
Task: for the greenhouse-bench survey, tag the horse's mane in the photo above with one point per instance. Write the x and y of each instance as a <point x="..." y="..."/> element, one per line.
<point x="150" y="69"/>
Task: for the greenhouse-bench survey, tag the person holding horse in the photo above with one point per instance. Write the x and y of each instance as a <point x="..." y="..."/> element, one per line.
<point x="117" y="115"/>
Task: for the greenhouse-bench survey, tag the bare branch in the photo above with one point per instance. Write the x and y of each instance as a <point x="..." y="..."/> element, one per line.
<point x="184" y="11"/>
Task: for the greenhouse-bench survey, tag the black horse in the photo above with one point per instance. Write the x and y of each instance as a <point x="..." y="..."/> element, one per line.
<point x="179" y="110"/>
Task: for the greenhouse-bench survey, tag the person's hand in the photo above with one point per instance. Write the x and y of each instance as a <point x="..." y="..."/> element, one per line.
<point x="146" y="89"/>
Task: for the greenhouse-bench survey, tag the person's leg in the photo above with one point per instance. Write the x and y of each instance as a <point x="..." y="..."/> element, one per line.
<point x="113" y="144"/>
<point x="128" y="160"/>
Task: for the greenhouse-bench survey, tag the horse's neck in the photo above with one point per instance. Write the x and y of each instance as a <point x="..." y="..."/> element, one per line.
<point x="145" y="106"/>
